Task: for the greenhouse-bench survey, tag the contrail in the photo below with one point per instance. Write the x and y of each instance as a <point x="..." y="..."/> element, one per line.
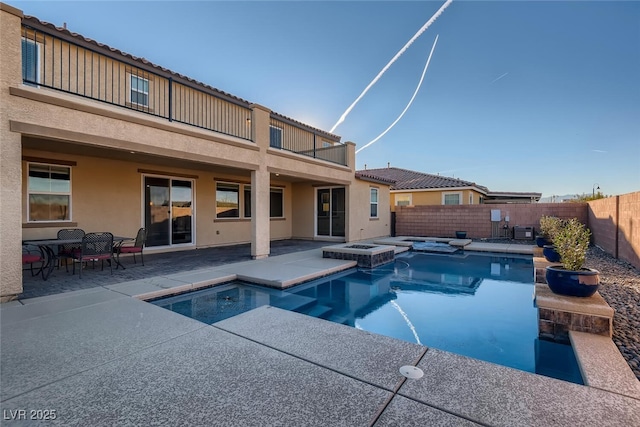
<point x="407" y="321"/>
<point x="410" y="101"/>
<point x="495" y="80"/>
<point x="386" y="67"/>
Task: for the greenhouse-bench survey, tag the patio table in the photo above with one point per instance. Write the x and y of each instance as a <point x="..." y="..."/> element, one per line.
<point x="50" y="249"/>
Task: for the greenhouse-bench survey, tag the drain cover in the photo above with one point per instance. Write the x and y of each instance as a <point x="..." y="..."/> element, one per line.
<point x="411" y="372"/>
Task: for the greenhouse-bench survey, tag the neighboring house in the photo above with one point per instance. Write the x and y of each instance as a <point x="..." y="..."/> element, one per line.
<point x="512" y="197"/>
<point x="98" y="139"/>
<point x="411" y="188"/>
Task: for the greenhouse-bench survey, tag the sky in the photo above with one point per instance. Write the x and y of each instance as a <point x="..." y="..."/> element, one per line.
<point x="527" y="96"/>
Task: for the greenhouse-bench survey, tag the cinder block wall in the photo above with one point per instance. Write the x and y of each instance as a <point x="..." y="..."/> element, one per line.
<point x="615" y="223"/>
<point x="444" y="221"/>
<point x="603" y="223"/>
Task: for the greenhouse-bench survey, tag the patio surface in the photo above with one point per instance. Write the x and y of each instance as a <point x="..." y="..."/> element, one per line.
<point x="96" y="357"/>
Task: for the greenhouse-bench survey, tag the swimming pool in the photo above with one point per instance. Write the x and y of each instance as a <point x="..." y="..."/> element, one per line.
<point x="474" y="304"/>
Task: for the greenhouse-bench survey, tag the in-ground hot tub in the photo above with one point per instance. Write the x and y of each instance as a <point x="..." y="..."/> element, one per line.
<point x="365" y="254"/>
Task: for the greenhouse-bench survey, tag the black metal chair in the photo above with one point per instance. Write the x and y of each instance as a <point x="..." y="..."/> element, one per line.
<point x="132" y="247"/>
<point x="32" y="254"/>
<point x="67" y="251"/>
<point x="95" y="247"/>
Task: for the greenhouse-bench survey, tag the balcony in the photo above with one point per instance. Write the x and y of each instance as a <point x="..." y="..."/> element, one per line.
<point x="56" y="59"/>
<point x="285" y="134"/>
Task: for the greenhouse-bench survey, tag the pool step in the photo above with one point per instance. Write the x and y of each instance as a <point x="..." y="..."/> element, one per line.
<point x="319" y="311"/>
<point x="293" y="302"/>
<point x="336" y="318"/>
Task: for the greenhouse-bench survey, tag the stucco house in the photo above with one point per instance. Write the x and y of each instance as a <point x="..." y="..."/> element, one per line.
<point x="98" y="139"/>
<point x="412" y="188"/>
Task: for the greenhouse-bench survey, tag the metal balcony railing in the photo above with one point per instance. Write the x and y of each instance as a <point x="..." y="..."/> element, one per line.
<point x="63" y="64"/>
<point x="288" y="136"/>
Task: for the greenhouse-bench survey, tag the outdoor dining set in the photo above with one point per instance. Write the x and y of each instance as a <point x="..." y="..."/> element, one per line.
<point x="74" y="245"/>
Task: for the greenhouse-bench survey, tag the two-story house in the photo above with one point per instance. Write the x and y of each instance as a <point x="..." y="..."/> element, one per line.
<point x="98" y="139"/>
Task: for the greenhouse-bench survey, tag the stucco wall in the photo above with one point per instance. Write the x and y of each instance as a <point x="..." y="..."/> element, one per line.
<point x="444" y="221"/>
<point x="419" y="198"/>
<point x="10" y="148"/>
<point x="362" y="226"/>
<point x="615" y="223"/>
<point x="108" y="195"/>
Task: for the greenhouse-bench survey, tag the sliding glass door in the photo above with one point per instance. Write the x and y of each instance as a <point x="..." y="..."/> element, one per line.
<point x="168" y="211"/>
<point x="330" y="212"/>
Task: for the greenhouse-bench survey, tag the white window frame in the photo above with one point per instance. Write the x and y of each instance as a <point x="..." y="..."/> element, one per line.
<point x="280" y="131"/>
<point x="135" y="89"/>
<point x="55" y="193"/>
<point x="404" y="195"/>
<point x="373" y="190"/>
<point x="449" y="193"/>
<point x="246" y="187"/>
<point x="277" y="190"/>
<point x="470" y="198"/>
<point x="37" y="62"/>
<point x="240" y="204"/>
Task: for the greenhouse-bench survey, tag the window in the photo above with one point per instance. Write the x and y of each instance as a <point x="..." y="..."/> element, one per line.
<point x="403" y="199"/>
<point x="247" y="201"/>
<point x="374" y="203"/>
<point x="275" y="136"/>
<point x="227" y="200"/>
<point x="139" y="91"/>
<point x="326" y="144"/>
<point x="451" y="198"/>
<point x="30" y="59"/>
<point x="276" y="203"/>
<point x="470" y="198"/>
<point x="49" y="192"/>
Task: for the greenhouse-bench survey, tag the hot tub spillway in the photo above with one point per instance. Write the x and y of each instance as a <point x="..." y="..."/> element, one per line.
<point x="366" y="255"/>
<point x="434" y="247"/>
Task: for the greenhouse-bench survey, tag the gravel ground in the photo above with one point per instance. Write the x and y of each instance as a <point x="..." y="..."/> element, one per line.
<point x="620" y="287"/>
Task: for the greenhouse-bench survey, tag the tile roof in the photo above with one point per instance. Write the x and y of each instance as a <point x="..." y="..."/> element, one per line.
<point x="411" y="180"/>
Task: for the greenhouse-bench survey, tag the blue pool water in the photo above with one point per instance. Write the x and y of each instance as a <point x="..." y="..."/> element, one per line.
<point x="477" y="305"/>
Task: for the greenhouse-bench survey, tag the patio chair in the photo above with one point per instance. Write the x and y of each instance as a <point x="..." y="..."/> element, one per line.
<point x="68" y="251"/>
<point x="95" y="247"/>
<point x="32" y="254"/>
<point x="132" y="246"/>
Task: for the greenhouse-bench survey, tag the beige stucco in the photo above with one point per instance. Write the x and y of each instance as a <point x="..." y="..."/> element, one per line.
<point x="110" y="149"/>
<point x="434" y="197"/>
<point x="362" y="225"/>
<point x="10" y="166"/>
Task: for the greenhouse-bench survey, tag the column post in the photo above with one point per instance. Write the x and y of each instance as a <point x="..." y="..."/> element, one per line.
<point x="260" y="185"/>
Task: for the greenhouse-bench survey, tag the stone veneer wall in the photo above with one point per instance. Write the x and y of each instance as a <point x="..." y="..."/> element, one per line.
<point x="363" y="260"/>
<point x="444" y="221"/>
<point x="556" y="324"/>
<point x="615" y="224"/>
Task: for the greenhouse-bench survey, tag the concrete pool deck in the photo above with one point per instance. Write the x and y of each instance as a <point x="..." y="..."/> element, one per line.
<point x="100" y="357"/>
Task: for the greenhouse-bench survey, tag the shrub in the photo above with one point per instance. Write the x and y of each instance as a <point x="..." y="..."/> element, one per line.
<point x="549" y="226"/>
<point x="571" y="241"/>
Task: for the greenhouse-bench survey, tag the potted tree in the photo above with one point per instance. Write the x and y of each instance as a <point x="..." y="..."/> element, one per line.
<point x="571" y="278"/>
<point x="549" y="227"/>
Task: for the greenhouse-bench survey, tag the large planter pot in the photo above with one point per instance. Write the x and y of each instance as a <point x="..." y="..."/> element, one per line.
<point x="461" y="234"/>
<point x="582" y="283"/>
<point x="550" y="253"/>
<point x="541" y="241"/>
